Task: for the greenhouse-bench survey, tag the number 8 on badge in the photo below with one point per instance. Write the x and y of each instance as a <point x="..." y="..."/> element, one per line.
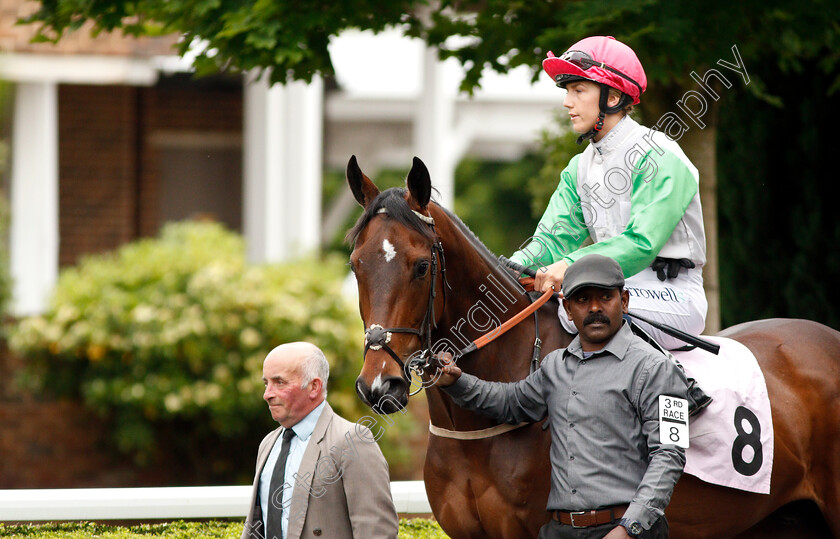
<point x="673" y="421"/>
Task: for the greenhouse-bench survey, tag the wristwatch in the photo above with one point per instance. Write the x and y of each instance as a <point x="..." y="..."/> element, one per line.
<point x="633" y="527"/>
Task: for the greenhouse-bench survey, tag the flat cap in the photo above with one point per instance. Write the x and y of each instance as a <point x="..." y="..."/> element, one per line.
<point x="592" y="270"/>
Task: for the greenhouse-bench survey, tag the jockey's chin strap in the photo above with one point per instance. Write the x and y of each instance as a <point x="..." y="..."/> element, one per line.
<point x="378" y="337"/>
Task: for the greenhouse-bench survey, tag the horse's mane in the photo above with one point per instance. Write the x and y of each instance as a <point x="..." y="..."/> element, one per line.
<point x="489" y="256"/>
<point x="396" y="207"/>
<point x="393" y="201"/>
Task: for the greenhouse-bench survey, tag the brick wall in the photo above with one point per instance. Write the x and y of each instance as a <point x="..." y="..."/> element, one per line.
<point x="51" y="443"/>
<point x="17" y="38"/>
<point x="97" y="158"/>
<point x="183" y="103"/>
<point x="109" y="160"/>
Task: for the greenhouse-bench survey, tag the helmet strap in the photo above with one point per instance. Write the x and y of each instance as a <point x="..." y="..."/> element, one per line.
<point x="594" y="131"/>
<point x="604" y="110"/>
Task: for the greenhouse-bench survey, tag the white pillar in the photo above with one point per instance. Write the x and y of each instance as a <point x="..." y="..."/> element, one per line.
<point x="434" y="125"/>
<point x="282" y="169"/>
<point x="34" y="197"/>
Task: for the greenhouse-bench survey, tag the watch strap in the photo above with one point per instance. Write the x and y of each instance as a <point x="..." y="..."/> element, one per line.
<point x="634" y="527"/>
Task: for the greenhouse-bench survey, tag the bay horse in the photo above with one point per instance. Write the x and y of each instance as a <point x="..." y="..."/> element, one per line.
<point x="427" y="284"/>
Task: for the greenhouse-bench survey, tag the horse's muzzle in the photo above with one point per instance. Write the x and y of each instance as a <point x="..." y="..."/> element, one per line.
<point x="385" y="396"/>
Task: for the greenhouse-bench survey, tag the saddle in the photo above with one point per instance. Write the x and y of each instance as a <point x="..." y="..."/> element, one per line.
<point x="697" y="398"/>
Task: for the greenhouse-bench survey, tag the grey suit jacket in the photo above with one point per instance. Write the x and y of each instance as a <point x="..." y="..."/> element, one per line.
<point x="342" y="488"/>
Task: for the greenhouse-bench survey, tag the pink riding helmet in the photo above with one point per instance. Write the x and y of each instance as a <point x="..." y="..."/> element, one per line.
<point x="601" y="59"/>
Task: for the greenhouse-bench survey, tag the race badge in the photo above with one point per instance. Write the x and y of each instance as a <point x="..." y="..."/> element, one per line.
<point x="673" y="421"/>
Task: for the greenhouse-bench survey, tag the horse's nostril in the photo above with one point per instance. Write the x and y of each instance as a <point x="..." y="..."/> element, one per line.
<point x="363" y="391"/>
<point x="390" y="396"/>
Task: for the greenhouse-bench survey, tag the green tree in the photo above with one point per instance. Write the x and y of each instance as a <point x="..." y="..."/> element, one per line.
<point x="673" y="39"/>
<point x="779" y="229"/>
<point x="287" y="37"/>
<point x="291" y="38"/>
<point x="502" y="186"/>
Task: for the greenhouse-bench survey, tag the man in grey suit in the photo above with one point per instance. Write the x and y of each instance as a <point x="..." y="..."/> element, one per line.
<point x="318" y="475"/>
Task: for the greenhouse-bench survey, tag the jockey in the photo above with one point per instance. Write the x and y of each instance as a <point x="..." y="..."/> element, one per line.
<point x="632" y="191"/>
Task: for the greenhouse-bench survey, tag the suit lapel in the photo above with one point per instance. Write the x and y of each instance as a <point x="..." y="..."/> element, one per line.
<point x="262" y="457"/>
<point x="266" y="449"/>
<point x="306" y="473"/>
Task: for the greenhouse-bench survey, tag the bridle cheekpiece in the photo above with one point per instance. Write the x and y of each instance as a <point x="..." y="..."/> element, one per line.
<point x="378" y="337"/>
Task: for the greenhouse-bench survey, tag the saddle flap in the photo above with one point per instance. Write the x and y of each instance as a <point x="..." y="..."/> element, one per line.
<point x="731" y="442"/>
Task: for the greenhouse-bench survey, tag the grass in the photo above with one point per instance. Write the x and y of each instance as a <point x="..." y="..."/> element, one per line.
<point x="416" y="528"/>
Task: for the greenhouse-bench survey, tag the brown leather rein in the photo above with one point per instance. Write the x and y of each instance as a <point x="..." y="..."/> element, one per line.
<point x="378" y="338"/>
<point x="491" y="336"/>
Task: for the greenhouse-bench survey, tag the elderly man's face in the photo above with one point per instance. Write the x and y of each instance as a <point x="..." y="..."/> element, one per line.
<point x="596" y="313"/>
<point x="287" y="400"/>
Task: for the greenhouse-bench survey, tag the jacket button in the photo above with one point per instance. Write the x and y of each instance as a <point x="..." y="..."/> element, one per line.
<point x="316" y="531"/>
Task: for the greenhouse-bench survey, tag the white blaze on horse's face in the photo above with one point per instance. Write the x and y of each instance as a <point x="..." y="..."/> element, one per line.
<point x="390" y="252"/>
<point x="377" y="382"/>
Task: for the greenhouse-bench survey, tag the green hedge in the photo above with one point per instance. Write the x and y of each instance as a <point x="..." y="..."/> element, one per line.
<point x="165" y="338"/>
<point x="409" y="529"/>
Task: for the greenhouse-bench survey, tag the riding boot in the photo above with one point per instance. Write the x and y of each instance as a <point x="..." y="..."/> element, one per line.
<point x="697" y="398"/>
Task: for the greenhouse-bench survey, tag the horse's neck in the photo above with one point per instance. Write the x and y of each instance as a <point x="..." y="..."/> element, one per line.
<point x="480" y="300"/>
<point x="482" y="297"/>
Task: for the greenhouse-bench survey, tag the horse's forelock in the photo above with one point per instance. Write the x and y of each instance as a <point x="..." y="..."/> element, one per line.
<point x="396" y="207"/>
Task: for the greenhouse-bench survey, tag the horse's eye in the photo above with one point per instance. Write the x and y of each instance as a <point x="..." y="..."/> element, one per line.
<point x="352" y="267"/>
<point x="421" y="269"/>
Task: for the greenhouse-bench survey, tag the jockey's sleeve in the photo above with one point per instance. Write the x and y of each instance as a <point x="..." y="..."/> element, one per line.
<point x="656" y="206"/>
<point x="561" y="229"/>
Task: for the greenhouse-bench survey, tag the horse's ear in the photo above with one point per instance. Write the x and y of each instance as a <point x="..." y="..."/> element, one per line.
<point x="363" y="189"/>
<point x="419" y="184"/>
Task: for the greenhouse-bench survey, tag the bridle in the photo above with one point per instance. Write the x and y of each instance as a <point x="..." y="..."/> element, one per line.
<point x="378" y="337"/>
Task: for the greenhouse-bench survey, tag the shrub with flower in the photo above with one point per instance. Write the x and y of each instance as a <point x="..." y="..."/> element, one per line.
<point x="166" y="337"/>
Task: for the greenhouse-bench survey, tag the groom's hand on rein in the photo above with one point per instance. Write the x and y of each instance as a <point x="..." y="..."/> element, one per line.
<point x="448" y="372"/>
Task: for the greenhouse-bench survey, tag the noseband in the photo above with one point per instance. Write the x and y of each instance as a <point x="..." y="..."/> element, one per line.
<point x="378" y="337"/>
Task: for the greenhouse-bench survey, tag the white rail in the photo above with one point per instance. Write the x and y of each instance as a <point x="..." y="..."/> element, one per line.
<point x="159" y="503"/>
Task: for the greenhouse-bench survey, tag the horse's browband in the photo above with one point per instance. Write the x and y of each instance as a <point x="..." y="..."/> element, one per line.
<point x="425" y="218"/>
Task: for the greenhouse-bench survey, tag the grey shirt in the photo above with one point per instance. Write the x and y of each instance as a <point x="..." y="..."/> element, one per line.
<point x="604" y="417"/>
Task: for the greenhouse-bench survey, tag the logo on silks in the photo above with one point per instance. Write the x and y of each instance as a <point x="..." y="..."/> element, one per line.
<point x="662" y="294"/>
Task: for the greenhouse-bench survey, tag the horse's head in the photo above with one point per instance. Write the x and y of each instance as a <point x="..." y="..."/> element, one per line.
<point x="398" y="262"/>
